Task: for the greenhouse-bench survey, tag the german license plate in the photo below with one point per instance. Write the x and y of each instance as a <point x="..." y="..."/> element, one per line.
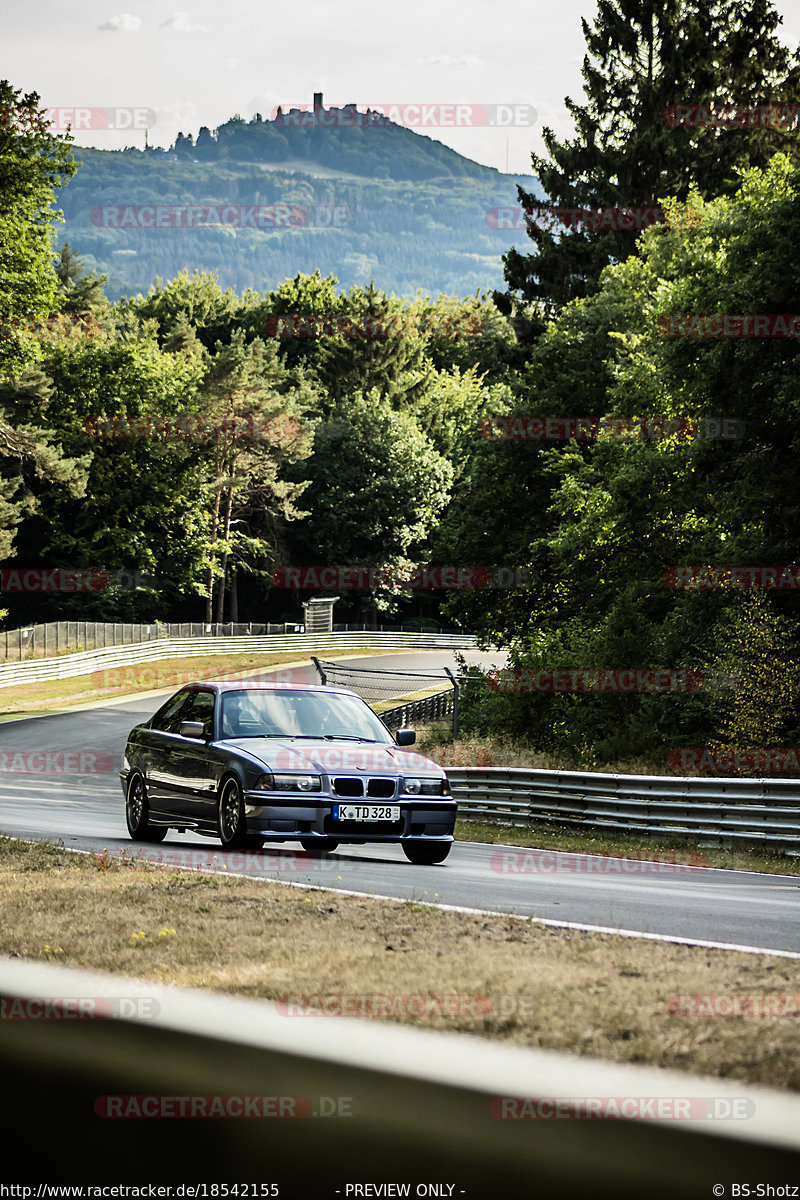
<point x="366" y="812"/>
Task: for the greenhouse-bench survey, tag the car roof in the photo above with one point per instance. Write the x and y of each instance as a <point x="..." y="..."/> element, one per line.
<point x="228" y="685"/>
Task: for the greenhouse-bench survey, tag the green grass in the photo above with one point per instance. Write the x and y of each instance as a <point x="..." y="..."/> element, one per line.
<point x="701" y="851"/>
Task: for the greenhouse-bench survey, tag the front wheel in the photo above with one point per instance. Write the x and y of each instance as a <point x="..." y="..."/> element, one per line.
<point x="425" y="854"/>
<point x="231" y="822"/>
<point x="137" y="813"/>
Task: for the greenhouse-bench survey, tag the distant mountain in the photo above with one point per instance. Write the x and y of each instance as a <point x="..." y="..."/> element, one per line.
<point x="260" y="201"/>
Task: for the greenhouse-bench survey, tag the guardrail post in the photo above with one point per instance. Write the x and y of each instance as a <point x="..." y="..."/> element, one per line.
<point x="454" y="682"/>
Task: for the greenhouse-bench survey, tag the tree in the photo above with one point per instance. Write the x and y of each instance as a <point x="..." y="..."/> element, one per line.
<point x="81" y="294"/>
<point x="260" y="414"/>
<point x="144" y="503"/>
<point x="377" y="487"/>
<point x="354" y="341"/>
<point x="609" y="522"/>
<point x="757" y="675"/>
<point x="32" y="460"/>
<point x="389" y="358"/>
<point x="643" y="57"/>
<point x="193" y="301"/>
<point x="33" y="164"/>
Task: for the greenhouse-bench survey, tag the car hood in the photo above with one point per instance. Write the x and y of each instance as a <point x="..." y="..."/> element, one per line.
<point x="332" y="757"/>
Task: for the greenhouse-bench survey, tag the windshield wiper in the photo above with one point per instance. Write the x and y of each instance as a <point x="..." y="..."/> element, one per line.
<point x="351" y="737"/>
<point x="315" y="737"/>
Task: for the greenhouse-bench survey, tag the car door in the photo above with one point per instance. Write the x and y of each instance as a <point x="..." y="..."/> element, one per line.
<point x="192" y="774"/>
<point x="156" y="745"/>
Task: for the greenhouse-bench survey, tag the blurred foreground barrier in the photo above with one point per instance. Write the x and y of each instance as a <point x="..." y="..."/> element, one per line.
<point x="70" y="665"/>
<point x="755" y="810"/>
<point x="376" y="1103"/>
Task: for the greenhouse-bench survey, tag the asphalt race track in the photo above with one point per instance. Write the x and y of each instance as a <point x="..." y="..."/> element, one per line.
<point x="85" y="811"/>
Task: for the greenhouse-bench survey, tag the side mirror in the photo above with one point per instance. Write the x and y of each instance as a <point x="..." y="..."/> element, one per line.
<point x="405" y="737"/>
<point x="193" y="729"/>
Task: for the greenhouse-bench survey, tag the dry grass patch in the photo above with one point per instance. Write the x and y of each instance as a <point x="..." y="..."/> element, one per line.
<point x="500" y="977"/>
<point x="116" y="681"/>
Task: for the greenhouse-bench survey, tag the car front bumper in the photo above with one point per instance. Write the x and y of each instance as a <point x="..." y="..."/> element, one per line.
<point x="430" y="820"/>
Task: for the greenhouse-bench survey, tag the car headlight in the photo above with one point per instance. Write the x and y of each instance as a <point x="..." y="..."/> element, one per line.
<point x="288" y="783"/>
<point x="427" y="787"/>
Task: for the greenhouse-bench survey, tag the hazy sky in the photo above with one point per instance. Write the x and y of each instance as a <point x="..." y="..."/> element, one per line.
<point x="200" y="65"/>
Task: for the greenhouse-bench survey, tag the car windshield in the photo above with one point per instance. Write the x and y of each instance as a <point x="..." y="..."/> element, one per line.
<point x="289" y="713"/>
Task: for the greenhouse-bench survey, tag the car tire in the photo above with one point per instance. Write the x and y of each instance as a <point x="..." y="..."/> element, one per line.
<point x="231" y="822"/>
<point x="137" y="813"/>
<point x="317" y="847"/>
<point x="426" y="854"/>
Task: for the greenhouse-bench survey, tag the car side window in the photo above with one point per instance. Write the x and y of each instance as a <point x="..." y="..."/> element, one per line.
<point x="168" y="718"/>
<point x="201" y="708"/>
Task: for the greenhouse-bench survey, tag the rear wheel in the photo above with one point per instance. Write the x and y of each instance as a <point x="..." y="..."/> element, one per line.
<point x="426" y="853"/>
<point x="317" y="847"/>
<point x="137" y="813"/>
<point x="231" y="823"/>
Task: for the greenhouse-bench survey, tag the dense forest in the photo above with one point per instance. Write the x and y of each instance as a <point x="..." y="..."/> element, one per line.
<point x="595" y="430"/>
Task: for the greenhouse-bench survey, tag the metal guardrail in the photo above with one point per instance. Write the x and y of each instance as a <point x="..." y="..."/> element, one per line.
<point x="51" y="639"/>
<point x="86" y="662"/>
<point x="754" y="810"/>
<point x="392" y="1102"/>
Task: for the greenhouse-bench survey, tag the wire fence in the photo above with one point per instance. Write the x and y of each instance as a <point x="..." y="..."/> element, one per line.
<point x="375" y="686"/>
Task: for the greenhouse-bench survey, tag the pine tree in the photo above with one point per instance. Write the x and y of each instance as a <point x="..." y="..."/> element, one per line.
<point x="644" y="56"/>
<point x="385" y="352"/>
<point x="81" y="293"/>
